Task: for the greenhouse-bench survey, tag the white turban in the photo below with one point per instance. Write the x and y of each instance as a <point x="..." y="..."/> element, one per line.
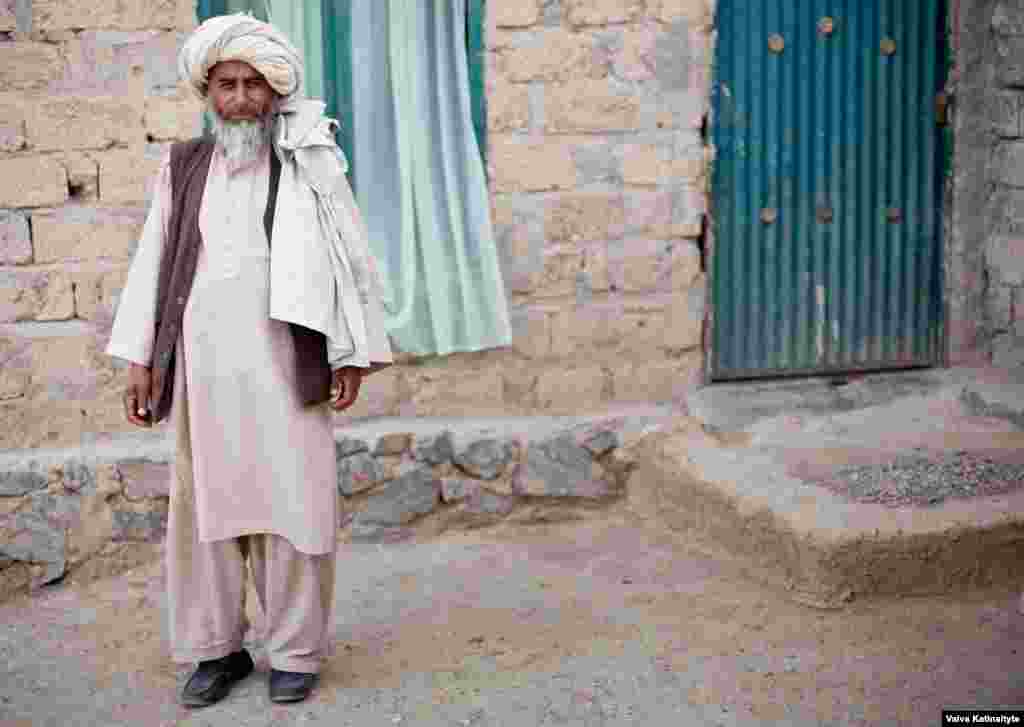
<point x="241" y="37"/>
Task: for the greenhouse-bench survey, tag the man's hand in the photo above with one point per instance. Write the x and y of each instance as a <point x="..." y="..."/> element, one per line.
<point x="345" y="387"/>
<point x="136" y="396"/>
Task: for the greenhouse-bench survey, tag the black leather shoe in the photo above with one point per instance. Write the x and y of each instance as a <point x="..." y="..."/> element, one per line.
<point x="290" y="686"/>
<point x="213" y="679"/>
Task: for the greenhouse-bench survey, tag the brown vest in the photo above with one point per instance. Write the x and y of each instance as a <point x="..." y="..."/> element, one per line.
<point x="190" y="164"/>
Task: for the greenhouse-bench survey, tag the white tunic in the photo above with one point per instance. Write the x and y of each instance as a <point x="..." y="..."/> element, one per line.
<point x="262" y="462"/>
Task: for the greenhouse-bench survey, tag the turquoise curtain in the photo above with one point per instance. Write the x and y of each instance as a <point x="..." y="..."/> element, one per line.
<point x="206" y="9"/>
<point x="302" y="22"/>
<point x="397" y="74"/>
<point x="420" y="178"/>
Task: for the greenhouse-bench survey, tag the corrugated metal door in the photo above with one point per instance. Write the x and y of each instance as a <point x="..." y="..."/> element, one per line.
<point x="827" y="186"/>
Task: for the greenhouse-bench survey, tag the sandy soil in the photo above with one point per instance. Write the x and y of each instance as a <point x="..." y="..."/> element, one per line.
<point x="488" y="613"/>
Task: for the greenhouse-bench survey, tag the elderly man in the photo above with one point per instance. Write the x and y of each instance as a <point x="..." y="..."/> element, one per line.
<point x="251" y="303"/>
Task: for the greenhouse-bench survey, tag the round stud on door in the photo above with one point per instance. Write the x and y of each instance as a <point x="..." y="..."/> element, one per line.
<point x="894" y="214"/>
<point x="825" y="214"/>
<point x="776" y="43"/>
<point x="827" y="25"/>
<point x="769" y="215"/>
<point x="888" y="46"/>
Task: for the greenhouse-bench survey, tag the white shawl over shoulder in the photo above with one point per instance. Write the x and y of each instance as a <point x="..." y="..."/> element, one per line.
<point x="322" y="274"/>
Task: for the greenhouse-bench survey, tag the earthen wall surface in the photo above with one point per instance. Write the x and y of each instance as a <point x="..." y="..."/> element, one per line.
<point x="597" y="167"/>
<point x="987" y="256"/>
<point x="89" y="101"/>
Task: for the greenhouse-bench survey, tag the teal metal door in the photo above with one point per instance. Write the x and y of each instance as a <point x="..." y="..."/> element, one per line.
<point x="827" y="186"/>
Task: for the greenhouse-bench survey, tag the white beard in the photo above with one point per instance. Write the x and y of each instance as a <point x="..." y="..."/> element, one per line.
<point x="241" y="142"/>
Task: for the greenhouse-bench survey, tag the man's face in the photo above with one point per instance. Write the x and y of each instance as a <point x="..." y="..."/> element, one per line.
<point x="238" y="92"/>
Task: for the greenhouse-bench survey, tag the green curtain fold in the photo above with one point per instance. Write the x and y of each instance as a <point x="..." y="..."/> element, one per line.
<point x="421" y="179"/>
<point x="302" y="22"/>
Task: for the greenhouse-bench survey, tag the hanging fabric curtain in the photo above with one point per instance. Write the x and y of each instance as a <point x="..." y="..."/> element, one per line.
<point x="256" y="7"/>
<point x="398" y="71"/>
<point x="206" y="9"/>
<point x="302" y="22"/>
<point x="419" y="176"/>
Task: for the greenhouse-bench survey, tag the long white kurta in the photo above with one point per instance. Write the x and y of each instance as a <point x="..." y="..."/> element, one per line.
<point x="262" y="463"/>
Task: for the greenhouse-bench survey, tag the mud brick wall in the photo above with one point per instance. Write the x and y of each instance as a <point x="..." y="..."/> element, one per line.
<point x="596" y="160"/>
<point x="1004" y="255"/>
<point x="986" y="281"/>
<point x="88" y="103"/>
<point x="598" y="167"/>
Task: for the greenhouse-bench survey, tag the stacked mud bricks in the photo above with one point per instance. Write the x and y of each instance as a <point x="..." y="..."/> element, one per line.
<point x="597" y="164"/>
<point x="598" y="167"/>
<point x="1004" y="251"/>
<point x="88" y="103"/>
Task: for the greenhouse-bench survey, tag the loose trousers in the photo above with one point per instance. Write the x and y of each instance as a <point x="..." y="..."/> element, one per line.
<point x="206" y="583"/>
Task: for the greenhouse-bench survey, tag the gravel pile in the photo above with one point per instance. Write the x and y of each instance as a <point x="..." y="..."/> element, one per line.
<point x="918" y="480"/>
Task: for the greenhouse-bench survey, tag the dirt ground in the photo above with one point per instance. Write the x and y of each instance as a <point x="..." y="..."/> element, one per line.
<point x="594" y="623"/>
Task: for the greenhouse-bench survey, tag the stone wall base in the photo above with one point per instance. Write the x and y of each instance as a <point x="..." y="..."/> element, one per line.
<point x="70" y="515"/>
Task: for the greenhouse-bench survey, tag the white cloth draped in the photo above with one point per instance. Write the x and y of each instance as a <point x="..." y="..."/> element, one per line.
<point x="419" y="176"/>
<point x="322" y="275"/>
<point x="322" y="272"/>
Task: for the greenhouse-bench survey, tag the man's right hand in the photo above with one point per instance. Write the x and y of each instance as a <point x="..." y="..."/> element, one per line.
<point x="136" y="396"/>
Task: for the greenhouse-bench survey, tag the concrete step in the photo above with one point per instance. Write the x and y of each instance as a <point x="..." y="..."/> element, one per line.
<point x="750" y="477"/>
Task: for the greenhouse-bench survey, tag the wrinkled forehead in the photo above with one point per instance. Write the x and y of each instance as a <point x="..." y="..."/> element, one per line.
<point x="234" y="71"/>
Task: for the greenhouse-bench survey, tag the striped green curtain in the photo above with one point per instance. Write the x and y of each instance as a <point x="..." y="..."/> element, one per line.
<point x="303" y="23"/>
<point x="405" y="80"/>
<point x="206" y="9"/>
<point x="420" y="178"/>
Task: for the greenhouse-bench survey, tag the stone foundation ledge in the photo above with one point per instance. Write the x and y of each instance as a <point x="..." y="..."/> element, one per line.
<point x="82" y="511"/>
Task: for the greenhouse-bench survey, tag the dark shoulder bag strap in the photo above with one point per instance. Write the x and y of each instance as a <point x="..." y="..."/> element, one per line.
<point x="275" y="181"/>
